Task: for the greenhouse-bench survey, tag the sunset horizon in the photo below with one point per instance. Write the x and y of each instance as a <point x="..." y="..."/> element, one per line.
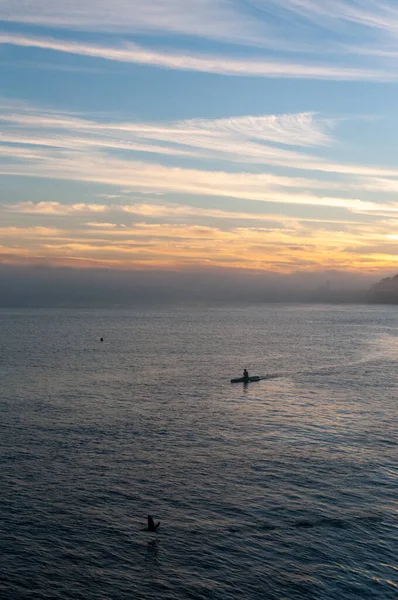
<point x="198" y="299"/>
<point x="256" y="136"/>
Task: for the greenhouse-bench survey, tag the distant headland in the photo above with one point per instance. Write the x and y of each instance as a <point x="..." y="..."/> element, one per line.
<point x="385" y="291"/>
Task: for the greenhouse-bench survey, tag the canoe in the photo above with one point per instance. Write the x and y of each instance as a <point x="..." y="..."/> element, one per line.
<point x="243" y="380"/>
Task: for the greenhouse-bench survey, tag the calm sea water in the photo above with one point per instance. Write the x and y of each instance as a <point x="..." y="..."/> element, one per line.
<point x="283" y="489"/>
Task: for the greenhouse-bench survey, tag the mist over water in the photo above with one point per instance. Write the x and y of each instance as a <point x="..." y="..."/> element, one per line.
<point x="285" y="488"/>
<point x="43" y="286"/>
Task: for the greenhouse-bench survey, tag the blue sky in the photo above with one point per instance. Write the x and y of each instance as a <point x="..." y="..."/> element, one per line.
<point x="171" y="134"/>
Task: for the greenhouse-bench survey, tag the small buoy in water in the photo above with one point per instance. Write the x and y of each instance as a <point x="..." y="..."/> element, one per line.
<point x="151" y="524"/>
<point x="102" y="339"/>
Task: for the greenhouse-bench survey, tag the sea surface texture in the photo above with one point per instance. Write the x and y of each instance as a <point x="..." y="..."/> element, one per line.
<point x="281" y="489"/>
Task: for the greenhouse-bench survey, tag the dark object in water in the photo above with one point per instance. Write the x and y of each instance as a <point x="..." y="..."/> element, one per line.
<point x="255" y="378"/>
<point x="246" y="380"/>
<point x="102" y="339"/>
<point x="151" y="524"/>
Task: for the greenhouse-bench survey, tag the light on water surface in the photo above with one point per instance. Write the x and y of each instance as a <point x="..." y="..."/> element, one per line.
<point x="285" y="488"/>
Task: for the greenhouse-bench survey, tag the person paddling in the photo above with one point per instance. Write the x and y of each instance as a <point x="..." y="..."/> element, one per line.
<point x="246" y="376"/>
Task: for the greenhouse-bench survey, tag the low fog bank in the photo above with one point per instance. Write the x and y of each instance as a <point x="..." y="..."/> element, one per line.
<point x="36" y="286"/>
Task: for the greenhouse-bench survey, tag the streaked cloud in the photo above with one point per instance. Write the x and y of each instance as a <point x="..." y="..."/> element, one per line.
<point x="274" y="140"/>
<point x="278" y="248"/>
<point x="30" y="231"/>
<point x="205" y="63"/>
<point x="114" y="171"/>
<point x="232" y="183"/>
<point x="256" y="22"/>
<point x="240" y="139"/>
<point x="217" y="19"/>
<point x="68" y="146"/>
<point x="171" y="212"/>
<point x="372" y="14"/>
<point x="55" y="208"/>
<point x="103" y="225"/>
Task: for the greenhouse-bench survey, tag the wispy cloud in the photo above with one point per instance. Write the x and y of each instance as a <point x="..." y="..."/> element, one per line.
<point x="103" y="225"/>
<point x="216" y="64"/>
<point x="263" y="139"/>
<point x="248" y="139"/>
<point x="258" y="187"/>
<point x="27" y="232"/>
<point x="171" y="212"/>
<point x="232" y="188"/>
<point x="55" y="208"/>
<point x="239" y="139"/>
<point x="114" y="171"/>
<point x="169" y="245"/>
<point x="301" y="129"/>
<point x="364" y="33"/>
<point x="68" y="146"/>
<point x="372" y="14"/>
<point x="174" y="213"/>
<point x="214" y="19"/>
<point x="254" y="22"/>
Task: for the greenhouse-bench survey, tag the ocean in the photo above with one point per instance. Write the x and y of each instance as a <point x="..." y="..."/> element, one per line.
<point x="281" y="489"/>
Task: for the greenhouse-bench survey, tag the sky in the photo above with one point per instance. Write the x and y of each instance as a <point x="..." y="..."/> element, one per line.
<point x="254" y="135"/>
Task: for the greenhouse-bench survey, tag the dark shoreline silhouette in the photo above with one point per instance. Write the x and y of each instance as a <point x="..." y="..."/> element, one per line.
<point x="384" y="291"/>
